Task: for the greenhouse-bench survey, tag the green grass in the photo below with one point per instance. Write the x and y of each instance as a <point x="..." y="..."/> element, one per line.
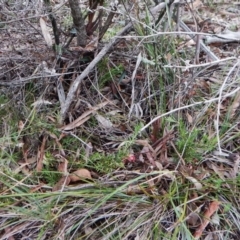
<point x="191" y="144"/>
<point x="105" y="163"/>
<point x="109" y="73"/>
<point x="137" y="209"/>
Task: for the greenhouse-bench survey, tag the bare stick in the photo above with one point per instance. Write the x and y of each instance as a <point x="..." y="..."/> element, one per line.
<point x="201" y="65"/>
<point x="202" y="45"/>
<point x="78" y="80"/>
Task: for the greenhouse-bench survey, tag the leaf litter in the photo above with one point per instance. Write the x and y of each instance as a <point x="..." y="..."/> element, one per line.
<point x="157" y="182"/>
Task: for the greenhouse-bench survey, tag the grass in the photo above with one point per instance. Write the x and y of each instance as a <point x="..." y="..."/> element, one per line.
<point x="105" y="210"/>
<point x="160" y="183"/>
<point x="105" y="163"/>
<point x="112" y="73"/>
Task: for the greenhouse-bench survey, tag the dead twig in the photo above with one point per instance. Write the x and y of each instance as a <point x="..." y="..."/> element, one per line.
<point x="101" y="54"/>
<point x="202" y="45"/>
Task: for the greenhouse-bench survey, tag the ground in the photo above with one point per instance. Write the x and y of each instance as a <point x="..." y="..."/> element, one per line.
<point x="149" y="147"/>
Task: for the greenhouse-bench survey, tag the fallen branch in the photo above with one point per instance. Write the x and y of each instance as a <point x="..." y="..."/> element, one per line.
<point x="78" y="80"/>
<point x="226" y="37"/>
<point x="71" y="94"/>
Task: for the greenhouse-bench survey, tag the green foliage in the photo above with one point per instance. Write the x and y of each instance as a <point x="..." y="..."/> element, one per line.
<point x="111" y="32"/>
<point x="67" y="21"/>
<point x="3" y="102"/>
<point x="191" y="144"/>
<point x="70" y="143"/>
<point x="49" y="175"/>
<point x="106" y="163"/>
<point x="108" y="74"/>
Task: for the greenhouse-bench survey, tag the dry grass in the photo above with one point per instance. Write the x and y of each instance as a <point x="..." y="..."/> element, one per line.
<point x="157" y="133"/>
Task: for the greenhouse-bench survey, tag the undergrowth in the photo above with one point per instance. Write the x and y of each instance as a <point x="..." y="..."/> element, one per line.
<point x="176" y="178"/>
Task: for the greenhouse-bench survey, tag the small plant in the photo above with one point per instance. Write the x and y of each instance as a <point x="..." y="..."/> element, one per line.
<point x="106" y="163"/>
<point x="192" y="144"/>
<point x="112" y="75"/>
<point x="67" y="22"/>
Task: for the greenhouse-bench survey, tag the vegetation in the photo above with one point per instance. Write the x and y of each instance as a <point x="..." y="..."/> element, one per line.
<point x="116" y="123"/>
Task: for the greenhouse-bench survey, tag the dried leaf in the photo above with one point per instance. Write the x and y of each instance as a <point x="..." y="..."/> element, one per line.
<point x="37" y="188"/>
<point x="155" y="130"/>
<point x="20" y="126"/>
<point x="150" y="158"/>
<point x="62" y="167"/>
<point x="213" y="207"/>
<point x="133" y="189"/>
<point x="92" y="45"/>
<point x="45" y="32"/>
<point x="78" y="122"/>
<point x="79" y="175"/>
<point x="52" y="119"/>
<point x="159" y="166"/>
<point x="87" y="230"/>
<point x="85" y="116"/>
<point x="40" y="156"/>
<point x="141" y="158"/>
<point x="104" y="122"/>
<point x="211" y="236"/>
<point x="40" y="102"/>
<point x="145" y="143"/>
<point x="196" y="183"/>
<point x="78" y="48"/>
<point x="147" y="61"/>
<point x="189" y="118"/>
<point x="192" y="219"/>
<point x="196" y="4"/>
<point x="52" y="135"/>
<point x="235" y="104"/>
<point x="19" y="144"/>
<point x="216" y="219"/>
<point x="22" y="168"/>
<point x="8" y="234"/>
<point x="88" y="150"/>
<point x="218" y="171"/>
